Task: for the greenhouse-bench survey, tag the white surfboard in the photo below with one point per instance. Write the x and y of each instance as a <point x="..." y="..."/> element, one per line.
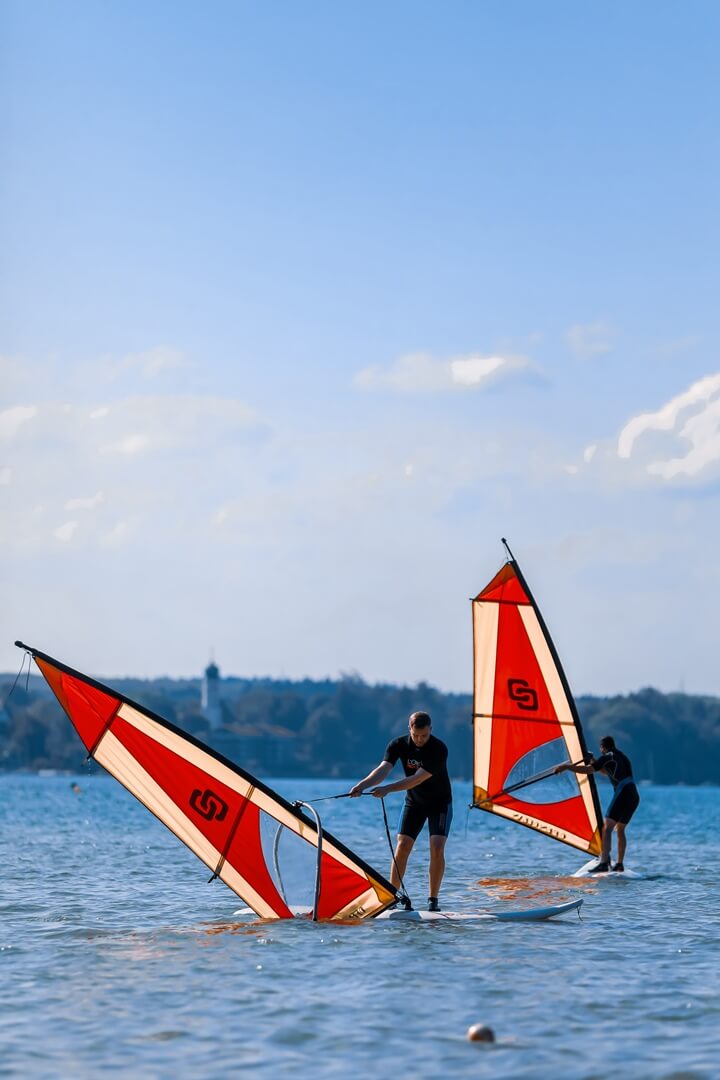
<point x="584" y="871"/>
<point x="537" y="914"/>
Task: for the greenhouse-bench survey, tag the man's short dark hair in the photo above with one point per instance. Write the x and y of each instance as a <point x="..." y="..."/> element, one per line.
<point x="608" y="742"/>
<point x="420" y="720"/>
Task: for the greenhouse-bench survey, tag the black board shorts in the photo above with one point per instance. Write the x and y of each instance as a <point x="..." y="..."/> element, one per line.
<point x="624" y="804"/>
<point x="413" y="817"/>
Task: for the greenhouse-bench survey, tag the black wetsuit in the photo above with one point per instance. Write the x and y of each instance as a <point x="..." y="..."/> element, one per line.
<point x="626" y="797"/>
<point x="430" y="801"/>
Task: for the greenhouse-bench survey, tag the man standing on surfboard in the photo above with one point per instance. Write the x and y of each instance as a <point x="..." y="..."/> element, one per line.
<point x="626" y="798"/>
<point x="428" y="797"/>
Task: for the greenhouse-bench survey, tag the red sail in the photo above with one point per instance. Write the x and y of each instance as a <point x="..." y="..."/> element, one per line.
<point x="525" y="720"/>
<point x="211" y="804"/>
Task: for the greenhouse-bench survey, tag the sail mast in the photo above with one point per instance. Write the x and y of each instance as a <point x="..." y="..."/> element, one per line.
<point x="561" y="672"/>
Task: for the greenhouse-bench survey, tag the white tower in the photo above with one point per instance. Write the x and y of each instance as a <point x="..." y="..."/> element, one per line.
<point x="210" y="699"/>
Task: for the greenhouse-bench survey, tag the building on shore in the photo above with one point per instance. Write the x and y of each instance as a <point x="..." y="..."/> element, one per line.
<point x="260" y="747"/>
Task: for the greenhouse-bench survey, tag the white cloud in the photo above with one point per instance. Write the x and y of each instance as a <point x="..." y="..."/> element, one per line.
<point x="474" y="370"/>
<point x="129" y="445"/>
<point x="174" y="423"/>
<point x="666" y="418"/>
<point x="154" y="463"/>
<point x="117" y="535"/>
<point x="20" y="376"/>
<point x="65" y="532"/>
<point x="347" y="511"/>
<point x="423" y="373"/>
<point x="678" y="442"/>
<point x="85" y="504"/>
<point x="148" y="364"/>
<point x="153" y="362"/>
<point x="702" y="431"/>
<point x="11" y="420"/>
<point x="589" y="340"/>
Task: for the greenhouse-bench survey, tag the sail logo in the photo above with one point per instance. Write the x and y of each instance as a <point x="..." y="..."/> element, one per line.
<point x="522" y="693"/>
<point x="541" y="826"/>
<point x="208" y="804"/>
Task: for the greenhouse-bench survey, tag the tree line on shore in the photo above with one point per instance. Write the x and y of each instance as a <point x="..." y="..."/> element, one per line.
<point x="341" y="727"/>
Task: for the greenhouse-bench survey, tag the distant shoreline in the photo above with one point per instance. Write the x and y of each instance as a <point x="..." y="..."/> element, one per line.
<point x="99" y="773"/>
<point x="340" y="728"/>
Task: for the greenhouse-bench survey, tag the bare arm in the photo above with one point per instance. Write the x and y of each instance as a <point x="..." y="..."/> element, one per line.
<point x="405" y="784"/>
<point x="568" y="766"/>
<point x="379" y="773"/>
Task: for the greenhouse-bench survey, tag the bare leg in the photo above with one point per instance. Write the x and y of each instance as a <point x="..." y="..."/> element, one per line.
<point x="607" y="839"/>
<point x="402" y="852"/>
<point x="621" y="841"/>
<point x="437" y="863"/>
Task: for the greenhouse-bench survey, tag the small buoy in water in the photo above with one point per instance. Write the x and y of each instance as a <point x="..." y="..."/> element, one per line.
<point x="481" y="1033"/>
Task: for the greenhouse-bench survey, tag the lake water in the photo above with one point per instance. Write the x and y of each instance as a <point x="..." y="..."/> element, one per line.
<point x="117" y="958"/>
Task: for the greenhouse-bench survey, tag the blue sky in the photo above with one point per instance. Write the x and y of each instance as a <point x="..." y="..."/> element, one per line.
<point x="306" y="305"/>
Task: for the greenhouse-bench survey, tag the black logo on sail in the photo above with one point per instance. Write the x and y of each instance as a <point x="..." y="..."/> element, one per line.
<point x="522" y="694"/>
<point x="208" y="804"/>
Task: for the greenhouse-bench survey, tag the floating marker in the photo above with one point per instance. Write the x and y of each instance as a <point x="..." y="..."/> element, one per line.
<point x="481" y="1033"/>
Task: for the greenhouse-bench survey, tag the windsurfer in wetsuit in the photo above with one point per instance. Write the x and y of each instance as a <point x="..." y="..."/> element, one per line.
<point x="428" y="797"/>
<point x="616" y="766"/>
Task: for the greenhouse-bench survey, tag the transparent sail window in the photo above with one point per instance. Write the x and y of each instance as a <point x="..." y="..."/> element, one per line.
<point x="552" y="789"/>
<point x="291" y="862"/>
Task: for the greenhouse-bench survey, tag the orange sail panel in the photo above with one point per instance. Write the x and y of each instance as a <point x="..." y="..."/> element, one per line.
<point x="525" y="720"/>
<point x="209" y="803"/>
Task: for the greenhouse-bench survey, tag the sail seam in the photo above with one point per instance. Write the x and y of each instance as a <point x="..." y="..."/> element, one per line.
<point x="231" y="835"/>
<point x="524" y="719"/>
<point x="509" y="603"/>
<point x="103" y="733"/>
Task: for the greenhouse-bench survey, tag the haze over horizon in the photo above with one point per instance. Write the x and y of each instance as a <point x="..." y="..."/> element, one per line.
<point x="305" y="308"/>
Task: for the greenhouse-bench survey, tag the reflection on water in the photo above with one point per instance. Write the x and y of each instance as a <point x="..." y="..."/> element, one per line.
<point x="546" y="891"/>
<point x="257" y="928"/>
<point x="110" y="934"/>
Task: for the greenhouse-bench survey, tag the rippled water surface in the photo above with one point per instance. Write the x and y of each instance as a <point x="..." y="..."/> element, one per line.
<point x="117" y="957"/>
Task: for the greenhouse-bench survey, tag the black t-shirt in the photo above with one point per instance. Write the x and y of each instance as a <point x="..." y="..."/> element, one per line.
<point x="436" y="790"/>
<point x="616" y="765"/>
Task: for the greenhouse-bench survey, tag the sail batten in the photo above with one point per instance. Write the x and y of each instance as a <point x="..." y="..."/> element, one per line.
<point x="212" y="805"/>
<point x="525" y="720"/>
<point x="511" y="717"/>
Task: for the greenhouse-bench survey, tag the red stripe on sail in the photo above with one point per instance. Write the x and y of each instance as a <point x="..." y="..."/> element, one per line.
<point x="524" y="719"/>
<point x="505" y="588"/>
<point x="339" y="886"/>
<point x="89" y="709"/>
<point x="524" y="715"/>
<point x="213" y="807"/>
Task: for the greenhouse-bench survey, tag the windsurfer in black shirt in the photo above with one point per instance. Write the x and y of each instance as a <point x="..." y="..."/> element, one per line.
<point x="616" y="766"/>
<point x="428" y="797"/>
